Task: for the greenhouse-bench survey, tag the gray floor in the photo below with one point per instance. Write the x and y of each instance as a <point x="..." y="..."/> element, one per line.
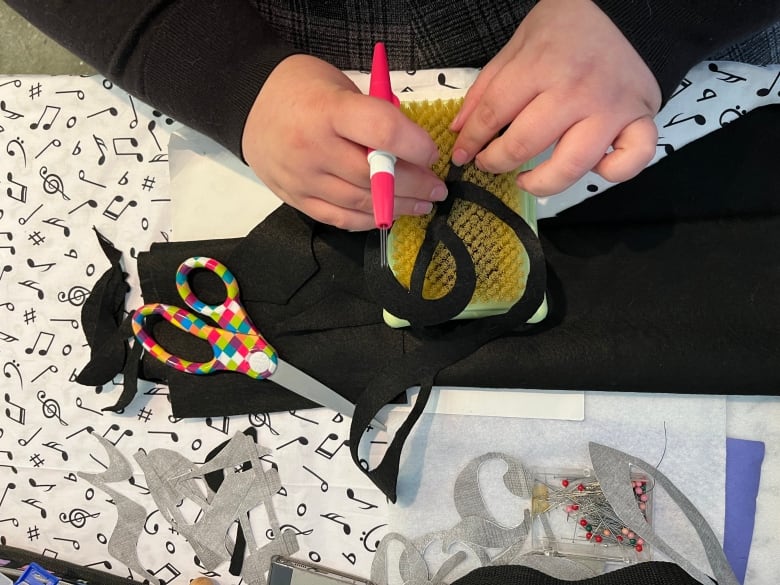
<point x="25" y="50"/>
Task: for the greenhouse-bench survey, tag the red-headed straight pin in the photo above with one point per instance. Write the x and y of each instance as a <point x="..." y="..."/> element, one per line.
<point x="382" y="163"/>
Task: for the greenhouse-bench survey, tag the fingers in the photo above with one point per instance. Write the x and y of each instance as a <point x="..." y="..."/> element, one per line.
<point x="577" y="152"/>
<point x="497" y="105"/>
<point x="582" y="148"/>
<point x="348" y="206"/>
<point x="634" y="148"/>
<point x="374" y="123"/>
<point x="340" y="217"/>
<point x="411" y="181"/>
<point x="537" y="127"/>
<point x="474" y="95"/>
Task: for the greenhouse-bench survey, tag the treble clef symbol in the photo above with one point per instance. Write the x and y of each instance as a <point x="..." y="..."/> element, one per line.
<point x="50" y="407"/>
<point x="77" y="517"/>
<point x="75" y="296"/>
<point x="52" y="183"/>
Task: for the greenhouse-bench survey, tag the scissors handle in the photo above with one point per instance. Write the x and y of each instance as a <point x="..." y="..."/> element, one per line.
<point x="229" y="314"/>
<point x="247" y="353"/>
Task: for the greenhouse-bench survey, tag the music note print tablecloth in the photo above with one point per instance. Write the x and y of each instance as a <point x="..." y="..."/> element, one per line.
<point x="79" y="155"/>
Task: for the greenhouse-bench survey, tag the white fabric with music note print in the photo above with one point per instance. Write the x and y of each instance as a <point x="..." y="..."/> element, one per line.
<point x="76" y="154"/>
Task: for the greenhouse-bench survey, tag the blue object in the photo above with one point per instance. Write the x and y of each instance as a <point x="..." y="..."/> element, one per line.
<point x="36" y="575"/>
<point x="743" y="474"/>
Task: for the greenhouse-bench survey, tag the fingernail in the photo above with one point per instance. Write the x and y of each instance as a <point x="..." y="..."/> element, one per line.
<point x="460" y="157"/>
<point x="455" y="120"/>
<point x="422" y="208"/>
<point x="439" y="193"/>
<point x="434" y="159"/>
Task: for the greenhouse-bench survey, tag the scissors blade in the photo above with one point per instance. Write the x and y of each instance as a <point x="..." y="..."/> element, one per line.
<point x="304" y="385"/>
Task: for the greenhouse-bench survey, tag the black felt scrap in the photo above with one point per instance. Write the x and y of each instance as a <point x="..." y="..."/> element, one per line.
<point x="101" y="318"/>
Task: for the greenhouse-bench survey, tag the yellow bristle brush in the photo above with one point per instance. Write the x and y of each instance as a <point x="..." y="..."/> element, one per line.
<point x="500" y="261"/>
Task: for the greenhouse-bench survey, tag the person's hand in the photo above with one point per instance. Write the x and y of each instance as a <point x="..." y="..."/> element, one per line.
<point x="306" y="138"/>
<point x="568" y="75"/>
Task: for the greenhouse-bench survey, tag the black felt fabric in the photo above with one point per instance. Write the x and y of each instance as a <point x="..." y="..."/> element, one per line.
<point x="649" y="573"/>
<point x="101" y="316"/>
<point x="666" y="283"/>
<point x="316" y="313"/>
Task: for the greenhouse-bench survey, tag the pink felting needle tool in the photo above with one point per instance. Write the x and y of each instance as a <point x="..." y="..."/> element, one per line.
<point x="382" y="163"/>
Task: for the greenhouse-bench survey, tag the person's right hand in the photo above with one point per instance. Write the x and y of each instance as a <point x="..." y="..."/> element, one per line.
<point x="306" y="138"/>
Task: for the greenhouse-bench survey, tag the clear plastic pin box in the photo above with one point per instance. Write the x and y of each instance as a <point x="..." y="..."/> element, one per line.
<point x="573" y="518"/>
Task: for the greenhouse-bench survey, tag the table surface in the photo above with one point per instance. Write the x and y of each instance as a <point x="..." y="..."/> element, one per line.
<point x="78" y="154"/>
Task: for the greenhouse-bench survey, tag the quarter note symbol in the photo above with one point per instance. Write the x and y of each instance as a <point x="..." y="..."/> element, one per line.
<point x="113" y="111"/>
<point x="302" y="440"/>
<point x="55" y="111"/>
<point x="150" y="127"/>
<point x="697" y="118"/>
<point x="764" y="91"/>
<point x="92" y="203"/>
<point x="442" y="80"/>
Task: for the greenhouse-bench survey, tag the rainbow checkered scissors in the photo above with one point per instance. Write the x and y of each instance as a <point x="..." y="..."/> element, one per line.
<point x="237" y="345"/>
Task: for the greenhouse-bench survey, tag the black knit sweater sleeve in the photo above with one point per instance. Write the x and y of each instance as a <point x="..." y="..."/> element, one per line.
<point x="202" y="62"/>
<point x="674" y="35"/>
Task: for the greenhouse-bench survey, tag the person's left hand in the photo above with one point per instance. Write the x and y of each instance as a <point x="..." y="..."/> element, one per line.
<point x="568" y="75"/>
